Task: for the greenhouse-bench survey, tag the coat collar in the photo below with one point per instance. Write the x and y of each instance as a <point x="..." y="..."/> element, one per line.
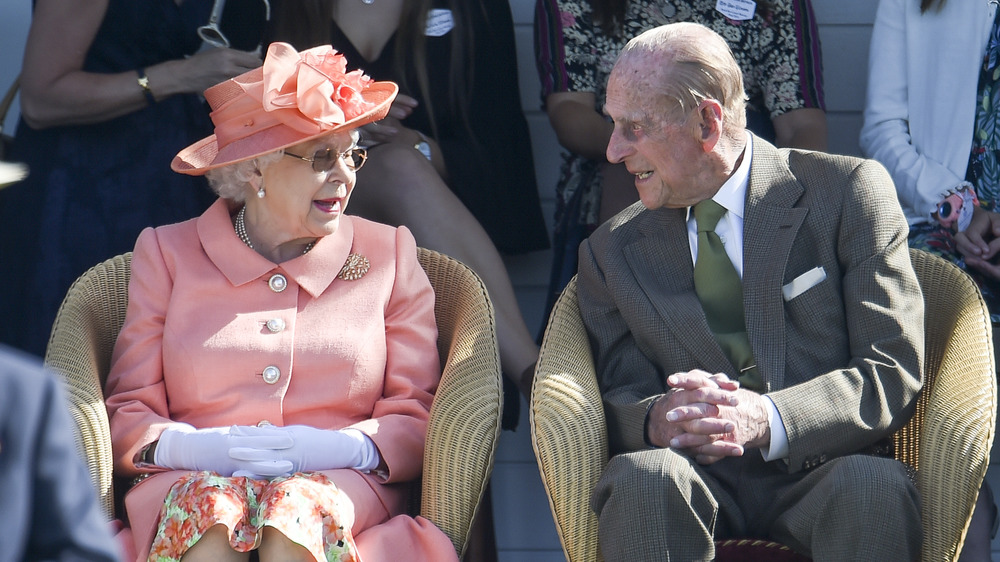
<point x="314" y="272"/>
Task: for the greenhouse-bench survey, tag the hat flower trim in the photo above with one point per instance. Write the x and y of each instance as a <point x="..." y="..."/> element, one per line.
<point x="313" y="85"/>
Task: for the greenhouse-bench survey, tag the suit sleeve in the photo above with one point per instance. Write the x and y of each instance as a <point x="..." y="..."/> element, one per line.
<point x="844" y="410"/>
<point x="399" y="420"/>
<point x="629" y="381"/>
<point x="135" y="391"/>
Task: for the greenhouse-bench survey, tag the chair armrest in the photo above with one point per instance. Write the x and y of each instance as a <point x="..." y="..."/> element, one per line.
<point x="464" y="424"/>
<point x="568" y="428"/>
<point x="948" y="439"/>
<point x="957" y="434"/>
<point x="79" y="351"/>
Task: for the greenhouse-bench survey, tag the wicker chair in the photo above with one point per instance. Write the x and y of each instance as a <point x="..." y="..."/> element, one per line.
<point x="947" y="442"/>
<point x="465" y="417"/>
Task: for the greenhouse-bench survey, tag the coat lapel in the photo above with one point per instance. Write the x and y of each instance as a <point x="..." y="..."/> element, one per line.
<point x="660" y="260"/>
<point x="770" y="225"/>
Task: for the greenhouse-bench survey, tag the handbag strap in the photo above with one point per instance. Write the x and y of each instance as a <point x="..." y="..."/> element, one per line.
<point x="8" y="99"/>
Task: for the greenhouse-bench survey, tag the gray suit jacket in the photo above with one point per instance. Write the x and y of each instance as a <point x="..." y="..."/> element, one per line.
<point x="48" y="507"/>
<point x="841" y="361"/>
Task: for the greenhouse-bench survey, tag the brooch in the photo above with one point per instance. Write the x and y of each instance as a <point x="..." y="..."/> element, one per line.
<point x="354" y="268"/>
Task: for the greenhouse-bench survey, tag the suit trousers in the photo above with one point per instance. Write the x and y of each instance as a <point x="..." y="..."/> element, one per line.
<point x="659" y="504"/>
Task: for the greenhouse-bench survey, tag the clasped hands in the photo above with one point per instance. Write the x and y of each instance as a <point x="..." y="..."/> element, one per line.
<point x="263" y="452"/>
<point x="709" y="417"/>
<point x="980" y="242"/>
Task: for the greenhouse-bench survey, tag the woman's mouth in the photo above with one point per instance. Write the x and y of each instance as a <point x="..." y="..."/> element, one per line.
<point x="329" y="206"/>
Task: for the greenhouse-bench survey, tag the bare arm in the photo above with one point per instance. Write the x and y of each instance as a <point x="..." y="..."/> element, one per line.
<point x="578" y="126"/>
<point x="56" y="91"/>
<point x="801" y="128"/>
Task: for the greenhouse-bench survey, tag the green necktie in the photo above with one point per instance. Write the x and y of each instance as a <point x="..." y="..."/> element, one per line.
<point x="720" y="291"/>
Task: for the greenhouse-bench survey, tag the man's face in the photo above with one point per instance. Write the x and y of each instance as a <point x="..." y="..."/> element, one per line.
<point x="665" y="155"/>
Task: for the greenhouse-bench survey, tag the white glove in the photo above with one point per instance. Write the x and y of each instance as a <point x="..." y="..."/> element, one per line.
<point x="182" y="447"/>
<point x="313" y="449"/>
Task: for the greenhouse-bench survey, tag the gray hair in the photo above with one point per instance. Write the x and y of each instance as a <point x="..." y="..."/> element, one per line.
<point x="692" y="64"/>
<point x="232" y="181"/>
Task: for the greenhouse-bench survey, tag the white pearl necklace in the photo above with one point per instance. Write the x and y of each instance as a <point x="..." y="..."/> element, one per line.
<point x="241" y="231"/>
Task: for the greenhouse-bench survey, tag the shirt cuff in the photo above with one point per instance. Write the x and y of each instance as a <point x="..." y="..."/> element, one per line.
<point x="778" y="449"/>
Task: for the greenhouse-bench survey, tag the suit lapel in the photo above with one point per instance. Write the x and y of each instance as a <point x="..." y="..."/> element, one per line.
<point x="770" y="225"/>
<point x="660" y="260"/>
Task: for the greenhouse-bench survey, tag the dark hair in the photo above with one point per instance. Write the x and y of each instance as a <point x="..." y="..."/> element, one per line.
<point x="610" y="14"/>
<point x="306" y="23"/>
<point x="928" y="4"/>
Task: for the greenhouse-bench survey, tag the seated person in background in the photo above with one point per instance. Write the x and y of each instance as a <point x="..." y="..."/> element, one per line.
<point x="274" y="375"/>
<point x="110" y="91"/>
<point x="931" y="118"/>
<point x="761" y="426"/>
<point x="776" y="46"/>
<point x="48" y="510"/>
<point x="452" y="161"/>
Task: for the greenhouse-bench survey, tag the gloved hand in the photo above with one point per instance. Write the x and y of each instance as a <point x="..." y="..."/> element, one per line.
<point x="182" y="447"/>
<point x="313" y="449"/>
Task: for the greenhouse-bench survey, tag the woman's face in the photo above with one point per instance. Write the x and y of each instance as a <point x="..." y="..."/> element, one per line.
<point x="300" y="202"/>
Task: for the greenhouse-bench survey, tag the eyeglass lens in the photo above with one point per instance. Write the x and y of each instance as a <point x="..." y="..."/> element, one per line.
<point x="324" y="160"/>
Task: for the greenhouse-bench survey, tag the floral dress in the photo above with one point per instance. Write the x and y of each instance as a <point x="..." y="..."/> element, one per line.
<point x="983" y="172"/>
<point x="306" y="508"/>
<point x="779" y="53"/>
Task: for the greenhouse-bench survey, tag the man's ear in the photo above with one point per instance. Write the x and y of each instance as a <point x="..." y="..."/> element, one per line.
<point x="710" y="123"/>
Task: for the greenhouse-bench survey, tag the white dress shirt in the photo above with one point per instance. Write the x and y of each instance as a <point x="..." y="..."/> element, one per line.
<point x="732" y="196"/>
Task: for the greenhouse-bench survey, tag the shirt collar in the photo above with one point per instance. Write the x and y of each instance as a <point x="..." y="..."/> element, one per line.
<point x="732" y="195"/>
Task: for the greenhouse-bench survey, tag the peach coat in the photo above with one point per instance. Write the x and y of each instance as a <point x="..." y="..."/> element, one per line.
<point x="349" y="353"/>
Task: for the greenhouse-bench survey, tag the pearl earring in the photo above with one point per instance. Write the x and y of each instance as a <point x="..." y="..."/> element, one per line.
<point x="260" y="190"/>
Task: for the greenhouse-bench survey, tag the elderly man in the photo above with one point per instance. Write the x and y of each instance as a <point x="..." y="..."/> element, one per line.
<point x="756" y="324"/>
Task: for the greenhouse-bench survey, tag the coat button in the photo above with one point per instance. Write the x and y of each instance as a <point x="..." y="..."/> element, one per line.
<point x="277" y="283"/>
<point x="275" y="325"/>
<point x="271" y="374"/>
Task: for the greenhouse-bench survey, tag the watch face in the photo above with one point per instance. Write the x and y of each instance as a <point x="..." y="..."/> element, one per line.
<point x="424" y="149"/>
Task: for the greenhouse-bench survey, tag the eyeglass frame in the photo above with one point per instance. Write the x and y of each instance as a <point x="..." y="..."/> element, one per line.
<point x="346" y="156"/>
<point x="212" y="34"/>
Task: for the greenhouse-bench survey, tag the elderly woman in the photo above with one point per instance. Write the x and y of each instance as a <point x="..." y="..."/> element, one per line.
<point x="271" y="386"/>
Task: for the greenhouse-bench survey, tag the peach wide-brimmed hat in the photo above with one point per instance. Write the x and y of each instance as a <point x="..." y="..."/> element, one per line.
<point x="294" y="97"/>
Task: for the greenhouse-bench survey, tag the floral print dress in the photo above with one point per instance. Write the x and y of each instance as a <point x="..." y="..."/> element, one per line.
<point x="307" y="508"/>
<point x="779" y="53"/>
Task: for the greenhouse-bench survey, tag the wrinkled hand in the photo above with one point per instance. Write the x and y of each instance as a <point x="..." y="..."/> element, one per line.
<point x="182" y="447"/>
<point x="311" y="449"/>
<point x="708" y="417"/>
<point x="212" y="66"/>
<point x="980" y="242"/>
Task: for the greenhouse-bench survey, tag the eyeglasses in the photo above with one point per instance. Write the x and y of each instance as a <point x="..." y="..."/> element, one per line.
<point x="324" y="160"/>
<point x="212" y="34"/>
